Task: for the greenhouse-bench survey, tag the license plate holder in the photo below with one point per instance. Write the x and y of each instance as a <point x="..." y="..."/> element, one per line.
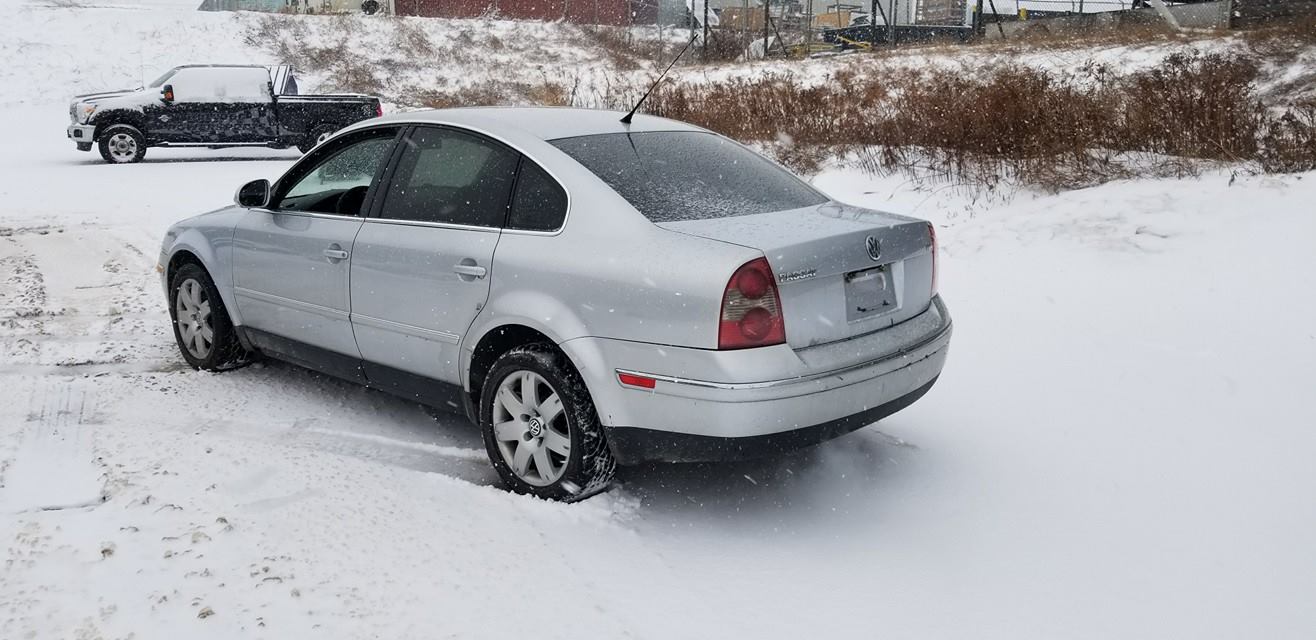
<point x="869" y="293"/>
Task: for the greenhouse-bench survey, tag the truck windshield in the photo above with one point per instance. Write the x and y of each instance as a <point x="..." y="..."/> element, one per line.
<point x="159" y="82"/>
<point x="688" y="175"/>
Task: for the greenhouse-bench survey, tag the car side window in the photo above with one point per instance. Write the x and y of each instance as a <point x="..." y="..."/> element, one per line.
<point x="540" y="203"/>
<point x="452" y="177"/>
<point x="336" y="179"/>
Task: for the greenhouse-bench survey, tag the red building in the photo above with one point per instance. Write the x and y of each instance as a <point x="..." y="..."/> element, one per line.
<point x="608" y="12"/>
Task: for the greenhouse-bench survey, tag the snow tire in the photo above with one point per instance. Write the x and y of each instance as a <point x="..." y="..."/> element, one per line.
<point x="590" y="465"/>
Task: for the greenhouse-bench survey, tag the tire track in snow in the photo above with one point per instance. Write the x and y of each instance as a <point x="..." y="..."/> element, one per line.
<point x="54" y="468"/>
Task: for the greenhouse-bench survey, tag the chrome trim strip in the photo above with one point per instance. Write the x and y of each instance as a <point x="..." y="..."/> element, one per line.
<point x="437" y="225"/>
<point x="307" y="214"/>
<point x="270" y="298"/>
<point x="411" y="330"/>
<point x="768" y="384"/>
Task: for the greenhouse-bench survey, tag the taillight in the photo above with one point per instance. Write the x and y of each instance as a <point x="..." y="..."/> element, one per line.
<point x="932" y="235"/>
<point x="379" y="109"/>
<point x="751" y="309"/>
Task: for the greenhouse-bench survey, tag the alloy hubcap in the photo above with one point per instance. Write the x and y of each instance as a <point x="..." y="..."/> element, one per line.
<point x="192" y="309"/>
<point x="531" y="428"/>
<point x="122" y="147"/>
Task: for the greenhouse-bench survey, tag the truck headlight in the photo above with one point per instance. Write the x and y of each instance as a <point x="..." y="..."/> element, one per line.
<point x="84" y="112"/>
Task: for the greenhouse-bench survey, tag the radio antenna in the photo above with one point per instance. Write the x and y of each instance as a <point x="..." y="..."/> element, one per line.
<point x="626" y="119"/>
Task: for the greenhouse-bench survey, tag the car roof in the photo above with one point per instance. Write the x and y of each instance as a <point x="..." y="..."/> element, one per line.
<point x="543" y="123"/>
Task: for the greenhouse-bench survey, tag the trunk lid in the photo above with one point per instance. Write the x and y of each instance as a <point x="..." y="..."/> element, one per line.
<point x="835" y="282"/>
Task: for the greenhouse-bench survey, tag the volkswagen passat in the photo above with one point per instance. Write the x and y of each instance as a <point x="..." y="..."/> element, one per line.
<point x="590" y="292"/>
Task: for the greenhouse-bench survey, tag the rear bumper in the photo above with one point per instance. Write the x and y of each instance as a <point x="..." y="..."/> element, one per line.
<point x="761" y="400"/>
<point x="635" y="445"/>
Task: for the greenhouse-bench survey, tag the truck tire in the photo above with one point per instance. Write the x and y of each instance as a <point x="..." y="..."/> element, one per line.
<point x="318" y="134"/>
<point x="541" y="430"/>
<point x="122" y="144"/>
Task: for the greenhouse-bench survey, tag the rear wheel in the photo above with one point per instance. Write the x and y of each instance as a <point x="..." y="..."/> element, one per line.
<point x="122" y="144"/>
<point x="541" y="430"/>
<point x="317" y="135"/>
<point x="202" y="327"/>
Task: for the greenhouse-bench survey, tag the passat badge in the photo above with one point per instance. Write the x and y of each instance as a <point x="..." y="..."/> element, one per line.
<point x="792" y="276"/>
<point x="874" y="247"/>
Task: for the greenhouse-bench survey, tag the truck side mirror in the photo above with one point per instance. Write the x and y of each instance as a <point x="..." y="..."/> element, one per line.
<point x="254" y="194"/>
<point x="167" y="93"/>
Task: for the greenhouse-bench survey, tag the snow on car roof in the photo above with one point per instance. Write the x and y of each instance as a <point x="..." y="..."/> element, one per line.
<point x="543" y="123"/>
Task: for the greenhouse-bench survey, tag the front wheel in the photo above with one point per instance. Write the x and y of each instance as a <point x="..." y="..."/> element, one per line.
<point x="202" y="327"/>
<point x="122" y="144"/>
<point x="541" y="430"/>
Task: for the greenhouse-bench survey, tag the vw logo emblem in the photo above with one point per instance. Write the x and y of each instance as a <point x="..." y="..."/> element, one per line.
<point x="536" y="426"/>
<point x="874" y="247"/>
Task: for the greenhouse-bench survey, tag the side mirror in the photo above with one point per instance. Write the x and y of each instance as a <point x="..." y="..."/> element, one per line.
<point x="254" y="194"/>
<point x="167" y="93"/>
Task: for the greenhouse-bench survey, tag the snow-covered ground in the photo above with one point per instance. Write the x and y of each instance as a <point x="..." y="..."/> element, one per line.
<point x="1120" y="446"/>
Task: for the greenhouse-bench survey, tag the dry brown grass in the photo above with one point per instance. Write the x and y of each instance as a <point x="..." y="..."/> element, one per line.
<point x="498" y="93"/>
<point x="1017" y="122"/>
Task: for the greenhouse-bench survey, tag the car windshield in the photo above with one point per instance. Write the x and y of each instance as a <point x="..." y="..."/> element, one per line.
<point x="688" y="175"/>
<point x="162" y="79"/>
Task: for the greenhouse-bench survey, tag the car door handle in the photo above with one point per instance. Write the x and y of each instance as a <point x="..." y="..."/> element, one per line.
<point x="473" y="270"/>
<point x="334" y="253"/>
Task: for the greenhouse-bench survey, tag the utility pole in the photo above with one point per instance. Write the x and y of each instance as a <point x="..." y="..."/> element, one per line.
<point x="808" y="28"/>
<point x="872" y="22"/>
<point x="705" y="31"/>
<point x="891" y="25"/>
<point x="766" y="21"/>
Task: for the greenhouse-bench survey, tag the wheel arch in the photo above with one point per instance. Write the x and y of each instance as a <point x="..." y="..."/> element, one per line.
<point x="135" y="119"/>
<point x="191" y="247"/>
<point x="492" y="344"/>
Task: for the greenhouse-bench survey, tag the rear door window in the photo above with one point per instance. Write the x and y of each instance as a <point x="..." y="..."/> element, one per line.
<point x="688" y="175"/>
<point x="451" y="177"/>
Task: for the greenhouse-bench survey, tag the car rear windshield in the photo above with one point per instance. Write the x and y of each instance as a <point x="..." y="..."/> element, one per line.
<point x="688" y="175"/>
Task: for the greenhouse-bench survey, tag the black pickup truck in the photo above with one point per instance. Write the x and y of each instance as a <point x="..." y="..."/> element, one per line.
<point x="212" y="106"/>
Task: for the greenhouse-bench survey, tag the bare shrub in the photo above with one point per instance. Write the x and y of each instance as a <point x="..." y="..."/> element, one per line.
<point x="1193" y="106"/>
<point x="1289" y="143"/>
<point x="1016" y="122"/>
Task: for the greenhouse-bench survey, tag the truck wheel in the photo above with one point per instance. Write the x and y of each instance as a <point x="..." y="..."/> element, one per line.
<point x="202" y="327"/>
<point x="317" y="135"/>
<point x="122" y="144"/>
<point x="540" y="427"/>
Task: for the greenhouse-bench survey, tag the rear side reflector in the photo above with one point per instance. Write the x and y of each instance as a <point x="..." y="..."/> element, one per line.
<point x="632" y="380"/>
<point x="751" y="309"/>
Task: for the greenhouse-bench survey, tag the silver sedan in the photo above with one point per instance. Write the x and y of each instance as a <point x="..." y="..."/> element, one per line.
<point x="590" y="292"/>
